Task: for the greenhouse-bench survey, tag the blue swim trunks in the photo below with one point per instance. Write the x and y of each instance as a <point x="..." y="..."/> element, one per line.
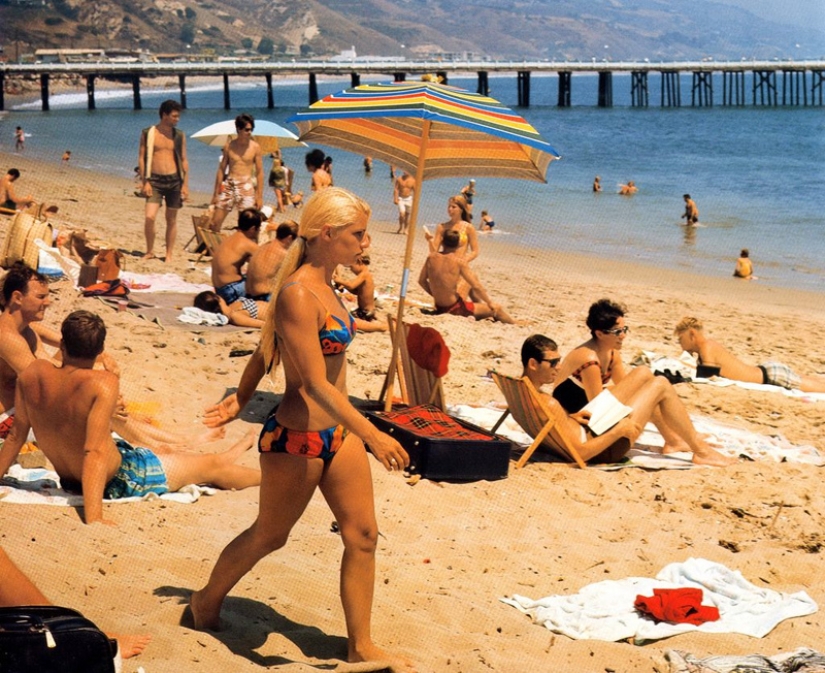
<point x="232" y="291"/>
<point x="140" y="472"/>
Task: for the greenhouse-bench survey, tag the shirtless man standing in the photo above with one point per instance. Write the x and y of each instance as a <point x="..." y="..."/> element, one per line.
<point x="164" y="172"/>
<point x="266" y="260"/>
<point x="315" y="164"/>
<point x="691" y="335"/>
<point x="8" y="199"/>
<point x="231" y="255"/>
<point x="70" y="408"/>
<point x="691" y="213"/>
<point x="233" y="181"/>
<point x="440" y="276"/>
<point x="402" y="196"/>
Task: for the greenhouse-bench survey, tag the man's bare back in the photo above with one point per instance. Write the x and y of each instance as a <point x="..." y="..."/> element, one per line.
<point x="262" y="267"/>
<point x="229" y="258"/>
<point x="71" y="408"/>
<point x="714" y="354"/>
<point x="444" y="272"/>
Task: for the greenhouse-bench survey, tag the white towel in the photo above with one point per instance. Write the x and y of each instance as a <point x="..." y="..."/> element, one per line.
<point x="47" y="491"/>
<point x="604" y="610"/>
<point x="196" y="316"/>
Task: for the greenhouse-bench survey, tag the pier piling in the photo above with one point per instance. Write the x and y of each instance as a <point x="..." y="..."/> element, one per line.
<point x="523" y="84"/>
<point x="483" y="83"/>
<point x="182" y="87"/>
<point x="605" y="88"/>
<point x="638" y="89"/>
<point x="90" y="92"/>
<point x="565" y="88"/>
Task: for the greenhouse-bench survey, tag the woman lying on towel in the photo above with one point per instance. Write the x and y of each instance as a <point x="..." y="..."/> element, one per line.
<point x="646" y="395"/>
<point x="244" y="312"/>
<point x="315" y="437"/>
<point x="597" y="364"/>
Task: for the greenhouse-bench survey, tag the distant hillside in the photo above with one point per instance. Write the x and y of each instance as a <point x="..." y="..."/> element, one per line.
<point x="533" y="29"/>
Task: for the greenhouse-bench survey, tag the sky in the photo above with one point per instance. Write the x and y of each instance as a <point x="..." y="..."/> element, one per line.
<point x="807" y="13"/>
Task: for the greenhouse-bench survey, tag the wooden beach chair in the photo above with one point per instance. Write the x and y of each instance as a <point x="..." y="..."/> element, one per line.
<point x="211" y="241"/>
<point x="418" y="385"/>
<point x="527" y="407"/>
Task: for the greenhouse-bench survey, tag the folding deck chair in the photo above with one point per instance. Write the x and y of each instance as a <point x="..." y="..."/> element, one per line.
<point x="211" y="241"/>
<point x="527" y="407"/>
<point x="418" y="385"/>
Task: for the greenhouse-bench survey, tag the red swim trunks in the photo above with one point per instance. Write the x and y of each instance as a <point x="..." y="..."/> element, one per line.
<point x="460" y="308"/>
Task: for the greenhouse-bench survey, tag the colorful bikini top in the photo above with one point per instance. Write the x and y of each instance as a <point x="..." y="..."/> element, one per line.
<point x="335" y="335"/>
<point x="606" y="376"/>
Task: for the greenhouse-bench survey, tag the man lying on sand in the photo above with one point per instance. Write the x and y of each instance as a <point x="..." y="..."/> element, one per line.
<point x="540" y="358"/>
<point x="16" y="590"/>
<point x="691" y="334"/>
<point x="70" y="409"/>
<point x="440" y="276"/>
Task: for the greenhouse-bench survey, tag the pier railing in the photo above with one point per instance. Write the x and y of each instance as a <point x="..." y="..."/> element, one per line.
<point x="801" y="81"/>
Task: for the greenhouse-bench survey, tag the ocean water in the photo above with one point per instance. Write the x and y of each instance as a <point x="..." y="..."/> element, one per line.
<point x="756" y="173"/>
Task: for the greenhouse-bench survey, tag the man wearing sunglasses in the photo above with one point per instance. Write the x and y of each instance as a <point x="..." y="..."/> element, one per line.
<point x="540" y="358"/>
<point x="234" y="184"/>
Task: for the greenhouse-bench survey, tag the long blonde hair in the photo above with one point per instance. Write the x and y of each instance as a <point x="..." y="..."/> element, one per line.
<point x="334" y="207"/>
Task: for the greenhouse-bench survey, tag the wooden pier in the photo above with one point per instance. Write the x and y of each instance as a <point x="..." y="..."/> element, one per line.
<point x="801" y="81"/>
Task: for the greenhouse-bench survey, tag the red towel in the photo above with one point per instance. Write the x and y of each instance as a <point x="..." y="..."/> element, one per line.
<point x="427" y="349"/>
<point x="679" y="606"/>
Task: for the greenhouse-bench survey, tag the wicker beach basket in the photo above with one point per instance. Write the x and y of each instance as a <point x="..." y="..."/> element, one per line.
<point x="19" y="244"/>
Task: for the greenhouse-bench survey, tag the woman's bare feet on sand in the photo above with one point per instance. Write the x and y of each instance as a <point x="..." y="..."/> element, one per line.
<point x="130" y="645"/>
<point x="710" y="456"/>
<point x="372" y="652"/>
<point x="203" y="620"/>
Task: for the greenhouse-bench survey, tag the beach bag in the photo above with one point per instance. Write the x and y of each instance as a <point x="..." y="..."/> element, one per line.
<point x="106" y="288"/>
<point x="49" y="638"/>
<point x="20" y="245"/>
<point x="108" y="263"/>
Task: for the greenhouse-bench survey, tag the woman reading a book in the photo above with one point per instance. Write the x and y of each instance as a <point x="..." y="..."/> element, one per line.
<point x="624" y="411"/>
<point x="597" y="363"/>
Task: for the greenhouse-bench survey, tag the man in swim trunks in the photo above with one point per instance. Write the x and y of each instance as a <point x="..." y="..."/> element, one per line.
<point x="440" y="276"/>
<point x="70" y="409"/>
<point x="8" y="199"/>
<point x="691" y="335"/>
<point x="691" y="213"/>
<point x="402" y="196"/>
<point x="233" y="253"/>
<point x="164" y="173"/>
<point x="242" y="160"/>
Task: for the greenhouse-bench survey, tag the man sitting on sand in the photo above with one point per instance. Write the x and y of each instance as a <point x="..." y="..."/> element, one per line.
<point x="266" y="260"/>
<point x="644" y="393"/>
<point x="691" y="334"/>
<point x="744" y="266"/>
<point x="17" y="590"/>
<point x="233" y="253"/>
<point x="8" y="199"/>
<point x="440" y="276"/>
<point x="70" y="408"/>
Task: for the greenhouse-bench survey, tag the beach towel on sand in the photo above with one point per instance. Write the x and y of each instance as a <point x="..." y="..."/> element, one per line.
<point x="604" y="610"/>
<point x="42" y="487"/>
<point x="730" y="440"/>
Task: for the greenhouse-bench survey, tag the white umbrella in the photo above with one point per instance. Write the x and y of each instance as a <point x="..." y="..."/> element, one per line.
<point x="270" y="136"/>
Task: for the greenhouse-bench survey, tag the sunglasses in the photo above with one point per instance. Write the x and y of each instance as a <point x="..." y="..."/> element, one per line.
<point x="248" y="128"/>
<point x="554" y="362"/>
<point x="616" y="331"/>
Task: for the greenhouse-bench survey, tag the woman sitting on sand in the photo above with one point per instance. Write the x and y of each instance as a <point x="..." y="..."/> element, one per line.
<point x="459" y="213"/>
<point x="244" y="312"/>
<point x="597" y="363"/>
<point x="315" y="437"/>
<point x="459" y="220"/>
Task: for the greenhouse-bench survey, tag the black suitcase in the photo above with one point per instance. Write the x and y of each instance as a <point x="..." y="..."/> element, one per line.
<point x="51" y="639"/>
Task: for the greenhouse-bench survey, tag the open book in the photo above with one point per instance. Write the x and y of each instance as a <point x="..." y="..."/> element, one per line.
<point x="605" y="411"/>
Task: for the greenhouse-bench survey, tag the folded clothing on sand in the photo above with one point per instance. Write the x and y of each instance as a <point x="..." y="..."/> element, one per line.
<point x="802" y="660"/>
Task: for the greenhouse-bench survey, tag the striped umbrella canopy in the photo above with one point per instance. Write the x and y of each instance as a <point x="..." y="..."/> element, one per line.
<point x="432" y="131"/>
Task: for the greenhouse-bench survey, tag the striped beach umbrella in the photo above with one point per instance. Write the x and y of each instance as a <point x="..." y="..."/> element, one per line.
<point x="432" y="131"/>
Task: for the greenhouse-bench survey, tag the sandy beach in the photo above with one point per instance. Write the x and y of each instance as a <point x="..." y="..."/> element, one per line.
<point x="448" y="551"/>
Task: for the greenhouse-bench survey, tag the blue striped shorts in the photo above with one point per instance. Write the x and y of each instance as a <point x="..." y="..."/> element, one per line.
<point x="140" y="472"/>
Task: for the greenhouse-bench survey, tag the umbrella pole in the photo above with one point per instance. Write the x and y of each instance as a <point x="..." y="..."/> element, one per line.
<point x="405" y="278"/>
